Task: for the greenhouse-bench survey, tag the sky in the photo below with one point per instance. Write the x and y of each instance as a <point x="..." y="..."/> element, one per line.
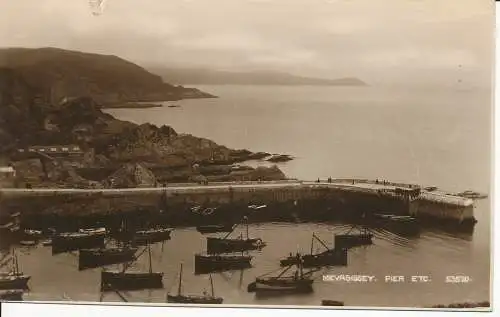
<point x="386" y="41"/>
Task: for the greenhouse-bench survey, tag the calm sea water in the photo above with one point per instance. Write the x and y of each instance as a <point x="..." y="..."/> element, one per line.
<point x="431" y="137"/>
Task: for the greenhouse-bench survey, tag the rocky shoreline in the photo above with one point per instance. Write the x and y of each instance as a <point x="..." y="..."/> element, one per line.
<point x="54" y="133"/>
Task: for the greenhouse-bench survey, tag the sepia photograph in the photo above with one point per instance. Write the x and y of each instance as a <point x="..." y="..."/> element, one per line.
<point x="324" y="154"/>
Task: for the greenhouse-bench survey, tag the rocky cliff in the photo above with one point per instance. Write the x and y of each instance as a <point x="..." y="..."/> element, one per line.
<point x="28" y="117"/>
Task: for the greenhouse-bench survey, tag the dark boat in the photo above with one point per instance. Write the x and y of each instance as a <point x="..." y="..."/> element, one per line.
<point x="14" y="279"/>
<point x="70" y="241"/>
<point x="402" y="225"/>
<point x="220" y="262"/>
<point x="28" y="243"/>
<point x="91" y="258"/>
<point x="10" y="224"/>
<point x="194" y="299"/>
<point x="122" y="280"/>
<point x="215" y="228"/>
<point x="351" y="240"/>
<point x="12" y="295"/>
<point x="227" y="245"/>
<point x="330" y="257"/>
<point x="329" y="302"/>
<point x="147" y="236"/>
<point x="472" y="195"/>
<point x="298" y="283"/>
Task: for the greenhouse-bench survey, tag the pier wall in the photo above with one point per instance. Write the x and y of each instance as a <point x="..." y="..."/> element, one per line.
<point x="284" y="201"/>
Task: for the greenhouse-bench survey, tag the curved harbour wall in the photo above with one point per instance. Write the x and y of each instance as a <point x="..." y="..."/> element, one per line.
<point x="190" y="204"/>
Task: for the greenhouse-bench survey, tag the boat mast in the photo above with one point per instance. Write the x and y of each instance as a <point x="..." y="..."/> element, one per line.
<point x="312" y="243"/>
<point x="180" y="282"/>
<point x="150" y="264"/>
<point x="246" y="220"/>
<point x="301" y="271"/>
<point x="322" y="243"/>
<point x="212" y="285"/>
<point x="14" y="262"/>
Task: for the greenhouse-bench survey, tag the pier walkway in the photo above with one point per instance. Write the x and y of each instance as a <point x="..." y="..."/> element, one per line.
<point x="359" y="185"/>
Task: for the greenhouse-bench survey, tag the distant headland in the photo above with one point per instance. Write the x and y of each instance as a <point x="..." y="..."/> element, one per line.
<point x="194" y="76"/>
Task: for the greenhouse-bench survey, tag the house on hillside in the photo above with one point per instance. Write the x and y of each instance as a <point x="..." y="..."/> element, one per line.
<point x="73" y="154"/>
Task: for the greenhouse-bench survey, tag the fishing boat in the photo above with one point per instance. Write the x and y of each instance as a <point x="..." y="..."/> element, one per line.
<point x="102" y="231"/>
<point x="329" y="302"/>
<point x="351" y="239"/>
<point x="10" y="223"/>
<point x="194" y="299"/>
<point x="12" y="295"/>
<point x="15" y="279"/>
<point x="330" y="257"/>
<point x="33" y="234"/>
<point x="403" y="225"/>
<point x="123" y="280"/>
<point x="226" y="245"/>
<point x="28" y="243"/>
<point x="205" y="263"/>
<point x="91" y="258"/>
<point x="152" y="235"/>
<point x="280" y="284"/>
<point x="70" y="241"/>
<point x="215" y="228"/>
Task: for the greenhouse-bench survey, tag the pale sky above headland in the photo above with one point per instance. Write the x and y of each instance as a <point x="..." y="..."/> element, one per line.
<point x="382" y="40"/>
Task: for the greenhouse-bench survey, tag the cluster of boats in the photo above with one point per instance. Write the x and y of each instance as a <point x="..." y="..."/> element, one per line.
<point x="222" y="253"/>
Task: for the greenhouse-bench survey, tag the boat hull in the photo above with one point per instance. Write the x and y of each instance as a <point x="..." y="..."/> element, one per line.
<point x="131" y="280"/>
<point x="214" y="228"/>
<point x="206" y="264"/>
<point x="401" y="226"/>
<point x="281" y="286"/>
<point x="62" y="244"/>
<point x="91" y="258"/>
<point x="352" y="240"/>
<point x="193" y="299"/>
<point x="11" y="282"/>
<point x="219" y="245"/>
<point x="12" y="295"/>
<point x="143" y="238"/>
<point x="329" y="302"/>
<point x="328" y="258"/>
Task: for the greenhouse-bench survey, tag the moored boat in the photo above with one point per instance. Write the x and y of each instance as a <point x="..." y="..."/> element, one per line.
<point x="220" y="262"/>
<point x="70" y="241"/>
<point x="352" y="239"/>
<point x="123" y="280"/>
<point x="12" y="295"/>
<point x="152" y="235"/>
<point x="194" y="299"/>
<point x="131" y="280"/>
<point x="298" y="283"/>
<point x="329" y="257"/>
<point x="33" y="234"/>
<point x="15" y="279"/>
<point x="402" y="225"/>
<point x="329" y="302"/>
<point x="91" y="258"/>
<point x="227" y="245"/>
<point x="215" y="228"/>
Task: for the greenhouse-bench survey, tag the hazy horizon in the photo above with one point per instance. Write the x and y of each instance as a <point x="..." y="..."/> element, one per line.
<point x="386" y="41"/>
